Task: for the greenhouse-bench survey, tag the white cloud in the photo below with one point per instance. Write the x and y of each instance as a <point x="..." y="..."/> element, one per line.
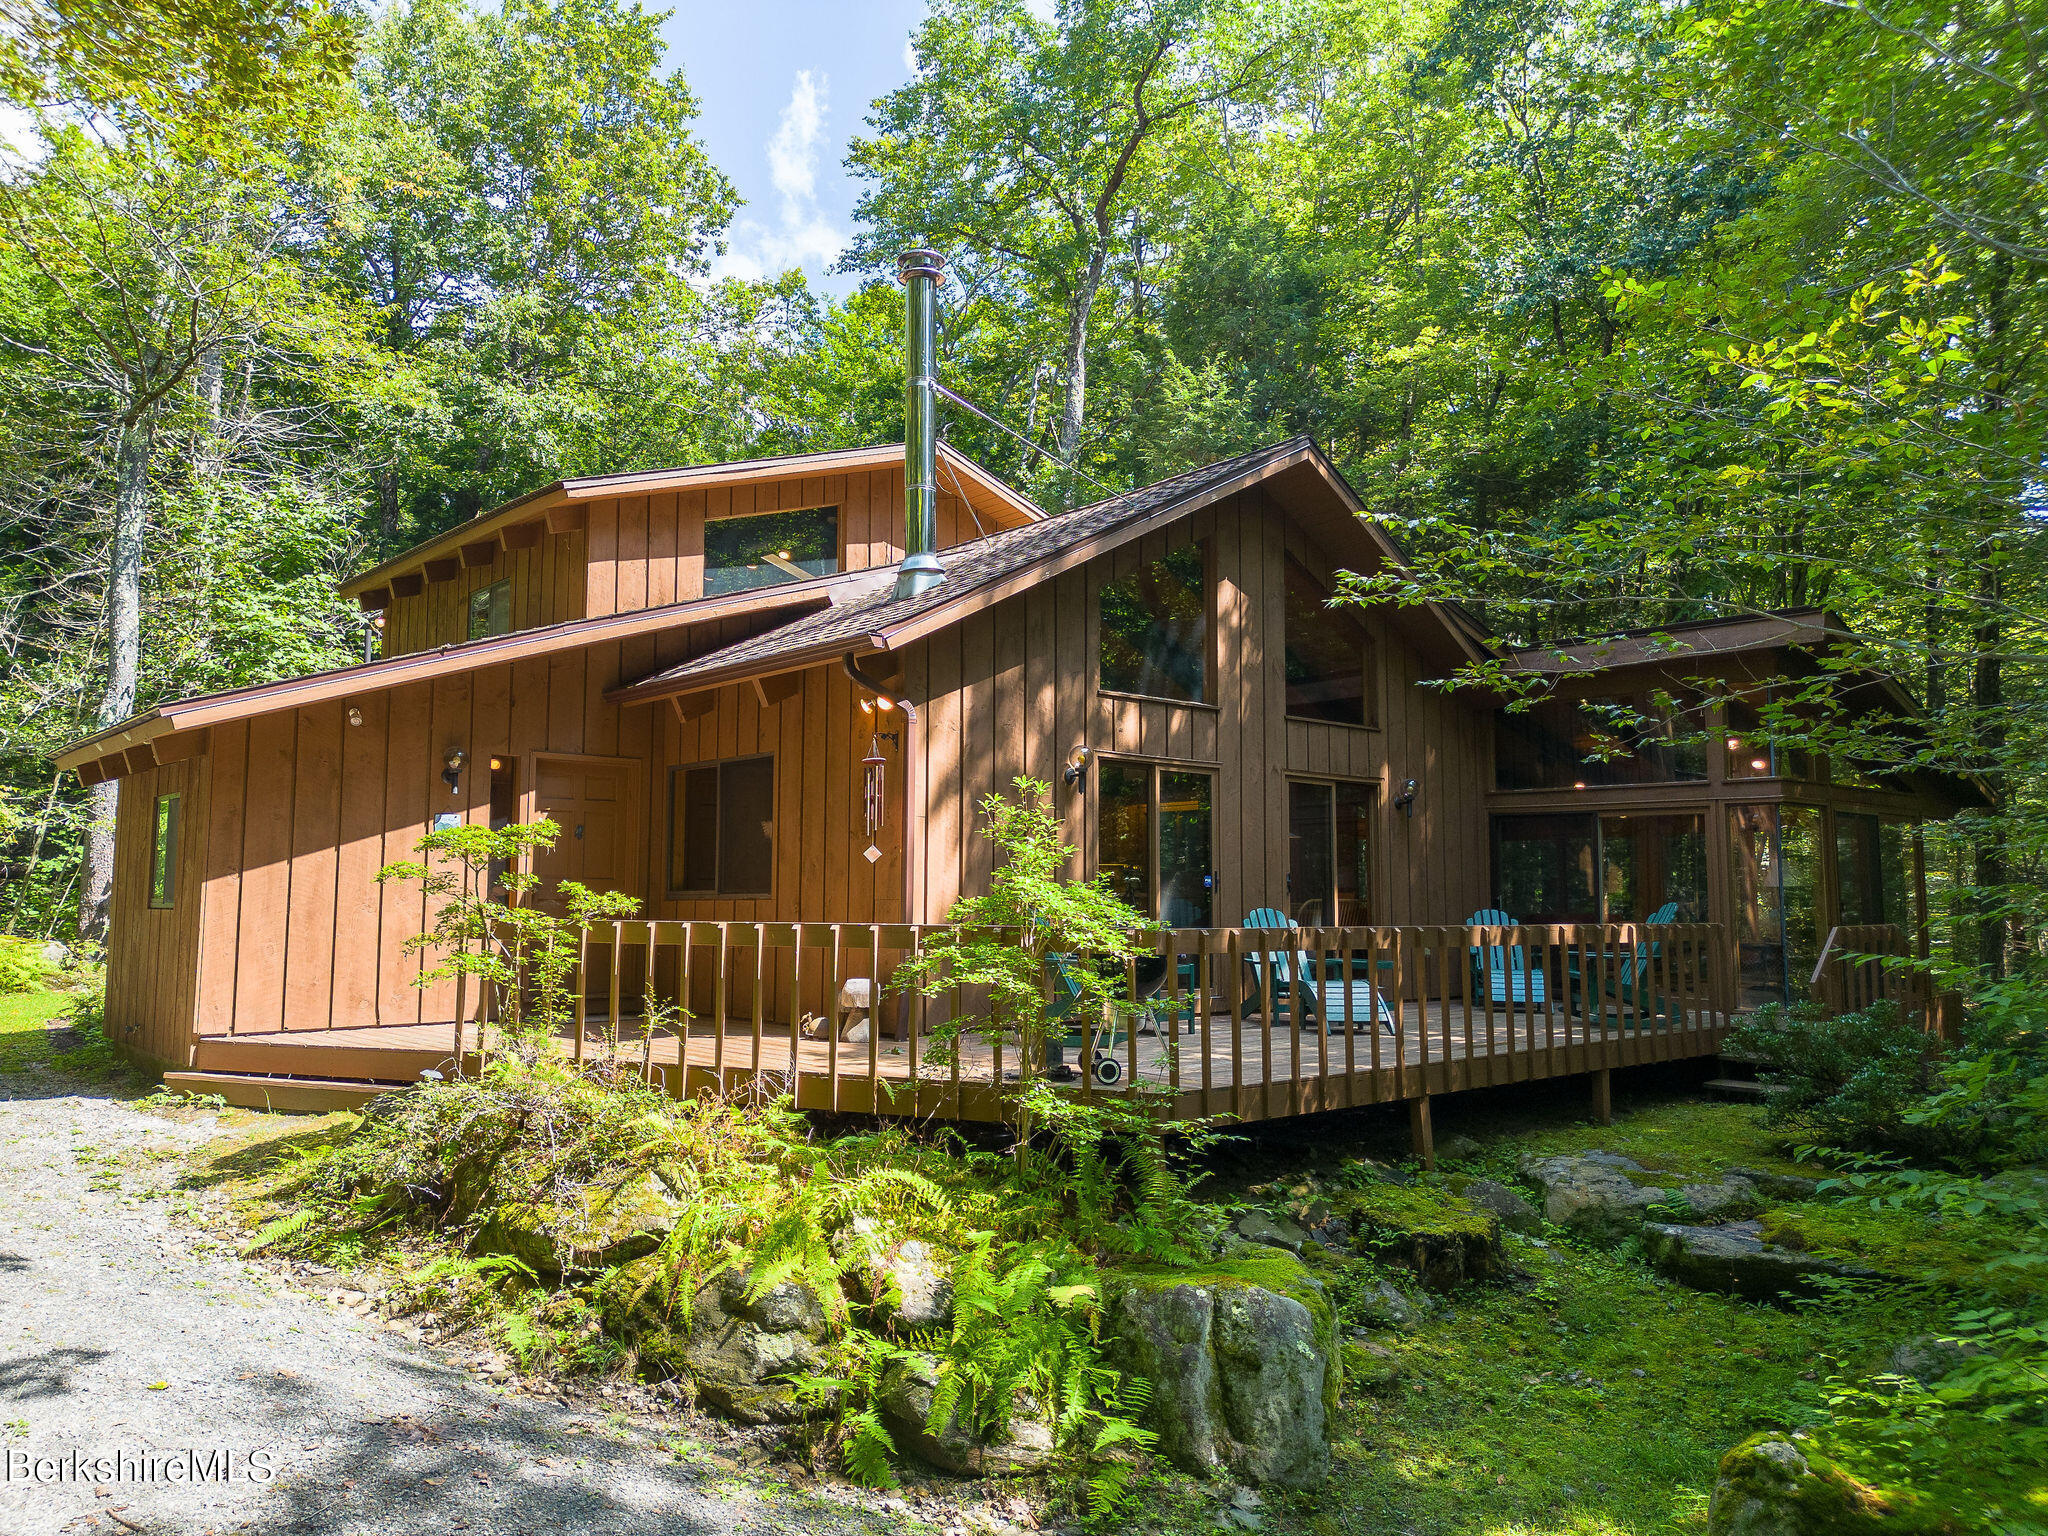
<point x="1047" y="11"/>
<point x="802" y="234"/>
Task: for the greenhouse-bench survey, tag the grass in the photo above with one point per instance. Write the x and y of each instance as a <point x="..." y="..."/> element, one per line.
<point x="25" y="1019"/>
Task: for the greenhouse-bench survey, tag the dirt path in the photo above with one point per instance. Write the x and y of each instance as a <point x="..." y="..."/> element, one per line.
<point x="126" y="1333"/>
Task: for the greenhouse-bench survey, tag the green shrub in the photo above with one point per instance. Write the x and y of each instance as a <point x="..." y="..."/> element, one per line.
<point x="23" y="967"/>
<point x="1850" y="1080"/>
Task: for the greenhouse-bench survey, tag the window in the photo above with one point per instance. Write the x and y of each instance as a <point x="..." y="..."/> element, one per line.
<point x="1329" y="656"/>
<point x="1571" y="744"/>
<point x="721" y="828"/>
<point x="163" y="856"/>
<point x="1155" y="840"/>
<point x="1651" y="862"/>
<point x="1754" y="752"/>
<point x="769" y="548"/>
<point x="1155" y="629"/>
<point x="490" y="610"/>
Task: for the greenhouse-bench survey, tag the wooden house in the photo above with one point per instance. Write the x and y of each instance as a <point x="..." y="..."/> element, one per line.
<point x="718" y="682"/>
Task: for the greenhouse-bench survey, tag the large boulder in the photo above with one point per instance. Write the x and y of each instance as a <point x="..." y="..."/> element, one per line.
<point x="591" y="1230"/>
<point x="907" y="1390"/>
<point x="1443" y="1237"/>
<point x="1771" y="1485"/>
<point x="1243" y="1366"/>
<point x="1734" y="1259"/>
<point x="1605" y="1197"/>
<point x="738" y="1352"/>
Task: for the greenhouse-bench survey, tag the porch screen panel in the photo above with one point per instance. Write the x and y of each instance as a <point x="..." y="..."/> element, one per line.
<point x="1873" y="870"/>
<point x="1186" y="859"/>
<point x="1773" y="863"/>
<point x="1123" y="848"/>
<point x="1648" y="862"/>
<point x="1543" y="868"/>
<point x="1155" y="629"/>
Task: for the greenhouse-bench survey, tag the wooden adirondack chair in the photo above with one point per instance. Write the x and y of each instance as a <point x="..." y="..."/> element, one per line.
<point x="1629" y="974"/>
<point x="1331" y="1003"/>
<point x="1504" y="968"/>
<point x="1262" y="917"/>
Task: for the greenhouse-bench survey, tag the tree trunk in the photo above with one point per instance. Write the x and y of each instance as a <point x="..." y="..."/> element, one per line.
<point x="1988" y="700"/>
<point x="124" y="656"/>
<point x="1076" y="410"/>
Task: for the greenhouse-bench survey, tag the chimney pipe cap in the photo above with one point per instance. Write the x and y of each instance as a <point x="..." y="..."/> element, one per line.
<point x="920" y="263"/>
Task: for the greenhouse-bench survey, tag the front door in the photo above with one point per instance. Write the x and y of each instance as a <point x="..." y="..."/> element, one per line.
<point x="591" y="802"/>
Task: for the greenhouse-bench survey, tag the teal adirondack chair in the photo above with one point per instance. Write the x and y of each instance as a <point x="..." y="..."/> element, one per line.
<point x="1331" y="1003"/>
<point x="1263" y="917"/>
<point x="1628" y="974"/>
<point x="1504" y="968"/>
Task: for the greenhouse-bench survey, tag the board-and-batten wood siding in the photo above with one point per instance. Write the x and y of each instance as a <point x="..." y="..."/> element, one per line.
<point x="646" y="551"/>
<point x="152" y="952"/>
<point x="547" y="588"/>
<point x="1012" y="691"/>
<point x="306" y="807"/>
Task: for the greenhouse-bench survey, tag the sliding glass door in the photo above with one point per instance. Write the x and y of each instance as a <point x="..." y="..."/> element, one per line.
<point x="1155" y="840"/>
<point x="1329" y="849"/>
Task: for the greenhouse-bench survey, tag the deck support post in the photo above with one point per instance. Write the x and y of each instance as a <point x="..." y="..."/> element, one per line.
<point x="1603" y="1096"/>
<point x="1421" y="1136"/>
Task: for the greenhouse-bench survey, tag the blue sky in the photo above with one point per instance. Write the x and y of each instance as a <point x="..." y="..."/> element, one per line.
<point x="783" y="84"/>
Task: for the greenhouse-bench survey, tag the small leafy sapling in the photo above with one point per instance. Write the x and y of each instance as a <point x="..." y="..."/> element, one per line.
<point x="1003" y="945"/>
<point x="487" y="927"/>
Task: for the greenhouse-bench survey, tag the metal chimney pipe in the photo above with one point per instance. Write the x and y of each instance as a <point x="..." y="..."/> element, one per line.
<point x="920" y="272"/>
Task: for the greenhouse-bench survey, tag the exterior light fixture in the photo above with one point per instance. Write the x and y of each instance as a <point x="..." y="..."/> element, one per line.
<point x="451" y="771"/>
<point x="1759" y="765"/>
<point x="497" y="764"/>
<point x="1404" y="802"/>
<point x="355" y="715"/>
<point x="1076" y="768"/>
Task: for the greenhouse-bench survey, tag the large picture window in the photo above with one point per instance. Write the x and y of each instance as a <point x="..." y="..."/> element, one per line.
<point x="1329" y="656"/>
<point x="769" y="548"/>
<point x="1874" y="870"/>
<point x="163" y="854"/>
<point x="1155" y="629"/>
<point x="1155" y="840"/>
<point x="1773" y="870"/>
<point x="721" y="828"/>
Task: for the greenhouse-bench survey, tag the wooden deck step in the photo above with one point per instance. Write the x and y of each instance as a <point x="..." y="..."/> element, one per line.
<point x="300" y="1094"/>
<point x="1742" y="1088"/>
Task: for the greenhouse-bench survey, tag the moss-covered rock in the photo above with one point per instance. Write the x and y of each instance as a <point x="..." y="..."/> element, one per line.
<point x="1774" y="1486"/>
<point x="907" y="1389"/>
<point x="1906" y="1244"/>
<point x="1735" y="1260"/>
<point x="737" y="1352"/>
<point x="593" y="1229"/>
<point x="1243" y="1364"/>
<point x="1442" y="1236"/>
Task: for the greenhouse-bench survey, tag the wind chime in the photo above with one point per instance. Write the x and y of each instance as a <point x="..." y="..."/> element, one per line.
<point x="875" y="767"/>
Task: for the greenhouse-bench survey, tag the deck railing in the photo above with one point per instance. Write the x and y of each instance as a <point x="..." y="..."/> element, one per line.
<point x="1223" y="1024"/>
<point x="1865" y="963"/>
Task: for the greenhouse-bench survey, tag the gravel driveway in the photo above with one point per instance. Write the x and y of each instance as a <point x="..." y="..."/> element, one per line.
<point x="124" y="1332"/>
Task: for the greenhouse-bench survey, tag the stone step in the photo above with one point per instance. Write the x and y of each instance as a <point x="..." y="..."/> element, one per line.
<point x="1741" y="1088"/>
<point x="302" y="1094"/>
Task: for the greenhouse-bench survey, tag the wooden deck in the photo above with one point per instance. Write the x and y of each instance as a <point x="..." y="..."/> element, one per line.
<point x="1256" y="1072"/>
<point x="1204" y="1050"/>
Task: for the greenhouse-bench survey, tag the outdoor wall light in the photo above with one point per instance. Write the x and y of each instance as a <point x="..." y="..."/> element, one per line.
<point x="451" y="773"/>
<point x="1404" y="802"/>
<point x="1076" y="768"/>
<point x="355" y="716"/>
